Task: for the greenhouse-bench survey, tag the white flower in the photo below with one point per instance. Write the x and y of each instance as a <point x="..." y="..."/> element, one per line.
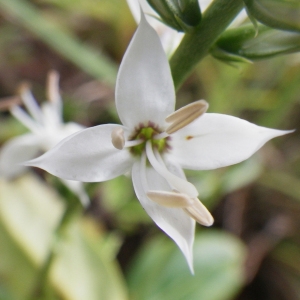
<point x="155" y="142"/>
<point x="170" y="38"/>
<point x="47" y="129"/>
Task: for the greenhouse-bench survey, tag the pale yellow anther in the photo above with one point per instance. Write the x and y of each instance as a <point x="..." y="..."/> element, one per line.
<point x="9" y="102"/>
<point x="185" y="115"/>
<point x="24" y="88"/>
<point x="53" y="94"/>
<point x="199" y="213"/>
<point x="118" y="138"/>
<point x="170" y="199"/>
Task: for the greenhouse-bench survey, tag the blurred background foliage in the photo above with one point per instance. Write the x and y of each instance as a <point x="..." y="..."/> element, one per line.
<point x="112" y="250"/>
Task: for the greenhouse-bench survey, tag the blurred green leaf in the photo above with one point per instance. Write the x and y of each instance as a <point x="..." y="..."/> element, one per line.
<point x="119" y="199"/>
<point x="83" y="267"/>
<point x="243" y="44"/>
<point x="161" y="272"/>
<point x="60" y="39"/>
<point x="283" y="182"/>
<point x="280" y="14"/>
<point x="242" y="174"/>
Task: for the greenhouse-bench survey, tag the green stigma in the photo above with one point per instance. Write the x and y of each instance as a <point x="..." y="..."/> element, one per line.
<point x="146" y="134"/>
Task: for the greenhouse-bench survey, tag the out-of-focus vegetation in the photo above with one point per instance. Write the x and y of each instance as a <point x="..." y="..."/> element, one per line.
<point x="112" y="250"/>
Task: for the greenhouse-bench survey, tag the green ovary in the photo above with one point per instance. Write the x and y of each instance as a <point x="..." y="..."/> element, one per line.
<point x="146" y="134"/>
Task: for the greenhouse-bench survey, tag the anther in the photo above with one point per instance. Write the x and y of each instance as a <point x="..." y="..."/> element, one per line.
<point x="53" y="87"/>
<point x="185" y="115"/>
<point x="118" y="138"/>
<point x="170" y="199"/>
<point x="8" y="102"/>
<point x="199" y="213"/>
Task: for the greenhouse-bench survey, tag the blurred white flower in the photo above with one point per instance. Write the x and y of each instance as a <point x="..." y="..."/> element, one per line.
<point x="46" y="130"/>
<point x="170" y="38"/>
<point x="155" y="142"/>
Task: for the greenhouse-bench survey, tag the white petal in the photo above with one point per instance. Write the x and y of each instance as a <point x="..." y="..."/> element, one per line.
<point x="87" y="156"/>
<point x="31" y="104"/>
<point x="169" y="37"/>
<point x="173" y="221"/>
<point x="144" y="89"/>
<point x="51" y="118"/>
<point x="51" y="136"/>
<point x="216" y="140"/>
<point x="16" y="151"/>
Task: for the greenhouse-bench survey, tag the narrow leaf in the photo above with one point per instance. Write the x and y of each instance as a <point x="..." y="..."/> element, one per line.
<point x="244" y="43"/>
<point x="279" y="14"/>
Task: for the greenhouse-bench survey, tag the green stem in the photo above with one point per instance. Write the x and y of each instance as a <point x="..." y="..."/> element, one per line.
<point x="195" y="45"/>
<point x="40" y="288"/>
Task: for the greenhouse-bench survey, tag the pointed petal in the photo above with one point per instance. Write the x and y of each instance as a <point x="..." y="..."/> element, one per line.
<point x="144" y="89"/>
<point x="169" y="37"/>
<point x="173" y="221"/>
<point x="30" y="103"/>
<point x="216" y="140"/>
<point x="17" y="151"/>
<point x="87" y="156"/>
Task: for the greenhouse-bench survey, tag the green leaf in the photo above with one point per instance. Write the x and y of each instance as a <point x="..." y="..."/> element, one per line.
<point x="243" y="42"/>
<point x="283" y="182"/>
<point x="242" y="174"/>
<point x="83" y="267"/>
<point x="161" y="272"/>
<point x="60" y="39"/>
<point x="280" y="14"/>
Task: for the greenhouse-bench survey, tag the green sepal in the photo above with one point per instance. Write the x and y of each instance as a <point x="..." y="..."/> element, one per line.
<point x="182" y="15"/>
<point x="190" y="12"/>
<point x="243" y="42"/>
<point x="279" y="14"/>
<point x="227" y="56"/>
<point x="165" y="12"/>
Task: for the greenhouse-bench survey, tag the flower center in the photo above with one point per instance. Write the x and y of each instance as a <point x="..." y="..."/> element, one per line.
<point x="145" y="134"/>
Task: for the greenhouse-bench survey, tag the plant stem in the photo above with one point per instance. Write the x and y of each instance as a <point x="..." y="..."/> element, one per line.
<point x="195" y="45"/>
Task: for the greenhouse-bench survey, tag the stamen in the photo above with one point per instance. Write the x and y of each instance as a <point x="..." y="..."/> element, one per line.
<point x="118" y="138"/>
<point x="143" y="172"/>
<point x="21" y="115"/>
<point x="7" y="102"/>
<point x="53" y="87"/>
<point x="175" y="182"/>
<point x="133" y="143"/>
<point x="170" y="199"/>
<point x="160" y="136"/>
<point x="30" y="103"/>
<point x="53" y="94"/>
<point x="199" y="213"/>
<point x="185" y="115"/>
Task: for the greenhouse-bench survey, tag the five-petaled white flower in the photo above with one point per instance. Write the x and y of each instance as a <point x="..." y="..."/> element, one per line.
<point x="155" y="142"/>
<point x="47" y="129"/>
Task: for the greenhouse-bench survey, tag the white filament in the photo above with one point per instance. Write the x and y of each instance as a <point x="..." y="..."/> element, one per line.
<point x="177" y="183"/>
<point x="23" y="117"/>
